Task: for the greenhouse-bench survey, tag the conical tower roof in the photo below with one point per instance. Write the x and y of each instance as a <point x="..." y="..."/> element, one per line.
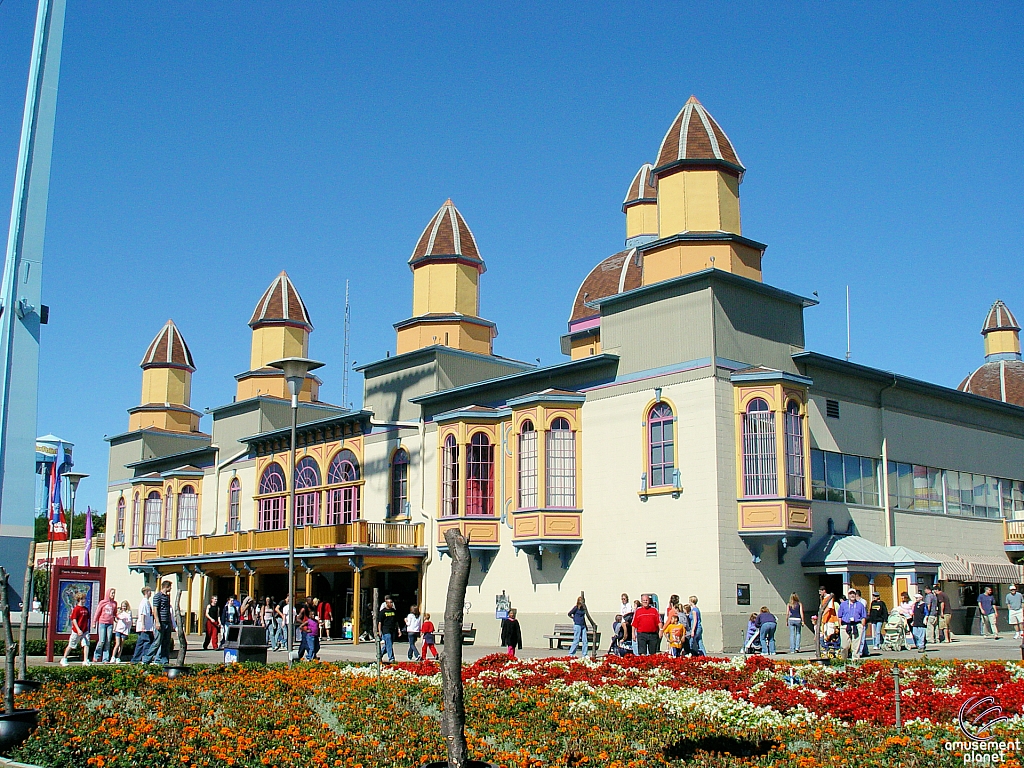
<point x="695" y="137"/>
<point x="643" y="188"/>
<point x="447" y="236"/>
<point x="281" y="304"/>
<point x="168" y="350"/>
<point x="999" y="318"/>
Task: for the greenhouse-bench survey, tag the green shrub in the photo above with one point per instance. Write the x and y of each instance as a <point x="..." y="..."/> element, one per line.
<point x="38" y="647"/>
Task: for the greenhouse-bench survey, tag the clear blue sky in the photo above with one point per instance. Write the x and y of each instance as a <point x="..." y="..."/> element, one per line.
<point x="202" y="147"/>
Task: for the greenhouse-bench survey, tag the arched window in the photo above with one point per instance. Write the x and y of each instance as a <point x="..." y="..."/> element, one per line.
<point x="795" y="479"/>
<point x="760" y="477"/>
<point x="480" y="476"/>
<point x="135" y="521"/>
<point x="560" y="453"/>
<point x="234" y="505"/>
<point x="270" y="515"/>
<point x="450" y="478"/>
<point x="168" y="529"/>
<point x="151" y="519"/>
<point x="661" y="441"/>
<point x="343" y="503"/>
<point x="188" y="512"/>
<point x="119" y="530"/>
<point x="527" y="466"/>
<point x="399" y="483"/>
<point x="307" y="505"/>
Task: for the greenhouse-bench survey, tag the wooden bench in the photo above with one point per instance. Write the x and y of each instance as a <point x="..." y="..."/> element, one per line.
<point x="562" y="633"/>
<point x="468" y="633"/>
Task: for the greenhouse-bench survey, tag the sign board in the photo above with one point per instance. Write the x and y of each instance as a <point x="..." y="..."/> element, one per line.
<point x="67" y="582"/>
<point x="502" y="605"/>
<point x="742" y="594"/>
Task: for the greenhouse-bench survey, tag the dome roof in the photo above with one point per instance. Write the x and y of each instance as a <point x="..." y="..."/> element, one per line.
<point x="694" y="135"/>
<point x="281" y="304"/>
<point x="643" y="188"/>
<point x="999" y="380"/>
<point x="1000" y="318"/>
<point x="447" y="236"/>
<point x="168" y="350"/>
<point x="619" y="272"/>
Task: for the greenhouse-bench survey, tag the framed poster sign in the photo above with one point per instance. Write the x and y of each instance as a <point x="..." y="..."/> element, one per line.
<point x="67" y="583"/>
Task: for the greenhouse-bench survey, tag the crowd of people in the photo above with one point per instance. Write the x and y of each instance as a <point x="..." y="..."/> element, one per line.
<point x="640" y="627"/>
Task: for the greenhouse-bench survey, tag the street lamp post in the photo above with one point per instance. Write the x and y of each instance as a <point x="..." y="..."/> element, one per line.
<point x="73" y="479"/>
<point x="295" y="370"/>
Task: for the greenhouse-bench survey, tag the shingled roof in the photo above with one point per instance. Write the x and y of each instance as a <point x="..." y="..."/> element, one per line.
<point x="281" y="304"/>
<point x="168" y="350"/>
<point x="695" y="135"/>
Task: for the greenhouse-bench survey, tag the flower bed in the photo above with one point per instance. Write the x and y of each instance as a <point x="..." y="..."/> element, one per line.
<point x="638" y="712"/>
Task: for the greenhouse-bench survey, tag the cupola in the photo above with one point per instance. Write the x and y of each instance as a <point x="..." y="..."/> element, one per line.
<point x="1002" y="334"/>
<point x="167" y="369"/>
<point x="1002" y="375"/>
<point x="641" y="208"/>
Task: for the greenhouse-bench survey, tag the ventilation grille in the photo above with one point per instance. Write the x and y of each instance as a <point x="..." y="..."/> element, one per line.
<point x="832" y="409"/>
<point x="652" y="549"/>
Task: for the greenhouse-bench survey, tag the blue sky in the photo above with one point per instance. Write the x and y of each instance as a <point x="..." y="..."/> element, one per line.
<point x="202" y="147"/>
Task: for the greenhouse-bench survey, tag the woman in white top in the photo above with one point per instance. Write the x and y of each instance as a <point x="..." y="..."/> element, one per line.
<point x="122" y="628"/>
<point x="413" y="623"/>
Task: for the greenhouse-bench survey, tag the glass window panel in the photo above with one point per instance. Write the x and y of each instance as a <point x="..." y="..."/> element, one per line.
<point x="870" y="479"/>
<point x="892" y="479"/>
<point x="966" y="493"/>
<point x="934" y="490"/>
<point x="952" y="492"/>
<point x="993" y="496"/>
<point x="920" y="501"/>
<point x="817" y="475"/>
<point x="854" y="487"/>
<point x="980" y="496"/>
<point x="656" y="432"/>
<point x="668" y="431"/>
<point x="905" y="482"/>
<point x="834" y="477"/>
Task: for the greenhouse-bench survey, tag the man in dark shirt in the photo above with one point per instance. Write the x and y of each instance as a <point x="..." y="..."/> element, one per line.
<point x="387" y="627"/>
<point x="945" y="615"/>
<point x="878" y="614"/>
<point x="989" y="612"/>
<point x="919" y="623"/>
<point x="160" y="650"/>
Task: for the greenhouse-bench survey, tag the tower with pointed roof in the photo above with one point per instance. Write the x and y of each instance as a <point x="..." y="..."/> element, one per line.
<point x="641" y="208"/>
<point x="446" y="267"/>
<point x="167" y="369"/>
<point x="280" y="328"/>
<point x="1001" y="377"/>
<point x="698" y="175"/>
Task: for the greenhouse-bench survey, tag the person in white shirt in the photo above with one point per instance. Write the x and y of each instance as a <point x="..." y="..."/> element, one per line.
<point x="144" y="626"/>
<point x="626" y="609"/>
<point x="413" y="623"/>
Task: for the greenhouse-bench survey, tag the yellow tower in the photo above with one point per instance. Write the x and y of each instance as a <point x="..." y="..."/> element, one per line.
<point x="280" y="328"/>
<point x="167" y="370"/>
<point x="698" y="175"/>
<point x="641" y="208"/>
<point x="446" y="268"/>
<point x="1002" y="334"/>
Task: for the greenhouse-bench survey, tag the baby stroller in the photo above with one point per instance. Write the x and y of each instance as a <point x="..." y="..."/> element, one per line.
<point x="894" y="632"/>
<point x="753" y="644"/>
<point x="830" y="641"/>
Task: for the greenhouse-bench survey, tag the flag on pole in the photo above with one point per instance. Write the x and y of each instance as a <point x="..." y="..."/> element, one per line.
<point x="88" y="534"/>
<point x="58" y="527"/>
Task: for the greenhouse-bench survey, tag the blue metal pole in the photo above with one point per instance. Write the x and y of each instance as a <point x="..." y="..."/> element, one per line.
<point x="21" y="294"/>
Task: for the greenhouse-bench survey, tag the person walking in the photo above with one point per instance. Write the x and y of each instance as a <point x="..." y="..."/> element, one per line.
<point x="696" y="629"/>
<point x="945" y="616"/>
<point x="674" y="631"/>
<point x="878" y="614"/>
<point x="122" y="628"/>
<point x="988" y="610"/>
<point x="580" y="636"/>
<point x="919" y="623"/>
<point x="283" y="611"/>
<point x="79" y="632"/>
<point x="795" y="622"/>
<point x="931" y="604"/>
<point x="428" y="629"/>
<point x="852" y="617"/>
<point x="864" y="626"/>
<point x="326" y="616"/>
<point x="159" y="651"/>
<point x="310" y="637"/>
<point x="647" y="624"/>
<point x="106" y="615"/>
<point x="144" y="626"/>
<point x="211" y="624"/>
<point x="387" y="627"/>
<point x="672" y="612"/>
<point x="413" y="627"/>
<point x="767" y="624"/>
<point x="1015" y="611"/>
<point x="511" y="633"/>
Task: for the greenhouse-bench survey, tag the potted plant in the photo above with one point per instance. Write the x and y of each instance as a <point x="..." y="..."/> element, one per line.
<point x="178" y="668"/>
<point x="453" y="717"/>
<point x="15" y="724"/>
<point x="23" y="684"/>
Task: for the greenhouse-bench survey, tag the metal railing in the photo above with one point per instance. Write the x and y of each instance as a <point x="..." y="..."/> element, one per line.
<point x="1013" y="531"/>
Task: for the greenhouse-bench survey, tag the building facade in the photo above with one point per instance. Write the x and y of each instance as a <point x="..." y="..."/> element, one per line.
<point x="689" y="444"/>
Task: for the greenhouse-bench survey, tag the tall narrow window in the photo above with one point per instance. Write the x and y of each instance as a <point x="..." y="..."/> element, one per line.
<point x="307" y="504"/>
<point x="234" y="505"/>
<point x="270" y="515"/>
<point x="343" y="502"/>
<point x="759" y="464"/>
<point x="661" y="437"/>
<point x="151" y="519"/>
<point x="399" y="483"/>
<point x="795" y="479"/>
<point x="527" y="466"/>
<point x="119" y="530"/>
<point x="188" y="512"/>
<point x="560" y="455"/>
<point x="168" y="529"/>
<point x="450" y="478"/>
<point x="480" y="476"/>
<point x="135" y="521"/>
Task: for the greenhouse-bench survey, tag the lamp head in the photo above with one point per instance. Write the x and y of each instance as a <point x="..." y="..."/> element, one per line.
<point x="295" y="370"/>
<point x="74" y="478"/>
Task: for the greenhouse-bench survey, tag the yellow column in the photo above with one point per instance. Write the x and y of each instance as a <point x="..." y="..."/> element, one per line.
<point x="238" y="583"/>
<point x="309" y="582"/>
<point x="252" y="583"/>
<point x="355" y="605"/>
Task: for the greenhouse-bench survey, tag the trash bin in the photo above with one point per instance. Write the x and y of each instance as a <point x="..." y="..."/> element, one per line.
<point x="245" y="643"/>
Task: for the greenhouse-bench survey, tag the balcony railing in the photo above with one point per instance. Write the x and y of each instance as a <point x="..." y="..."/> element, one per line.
<point x="1013" y="531"/>
<point x="360" y="533"/>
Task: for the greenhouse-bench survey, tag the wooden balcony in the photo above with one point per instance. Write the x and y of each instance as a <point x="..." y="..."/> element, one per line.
<point x="358" y="534"/>
<point x="1013" y="535"/>
<point x="782" y="521"/>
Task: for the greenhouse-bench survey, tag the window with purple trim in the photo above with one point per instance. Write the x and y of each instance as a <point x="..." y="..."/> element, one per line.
<point x="796" y="482"/>
<point x="399" y="484"/>
<point x="662" y="446"/>
<point x="270" y="510"/>
<point x="119" y="530"/>
<point x="527" y="466"/>
<point x="560" y="456"/>
<point x="234" y="505"/>
<point x="450" y="478"/>
<point x="151" y="519"/>
<point x="343" y="502"/>
<point x="135" y="521"/>
<point x="307" y="504"/>
<point x="188" y="512"/>
<point x="480" y="476"/>
<point x="168" y="529"/>
<point x="760" y="476"/>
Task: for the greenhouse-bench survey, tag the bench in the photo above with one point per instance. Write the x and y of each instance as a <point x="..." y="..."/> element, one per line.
<point x="468" y="633"/>
<point x="562" y="633"/>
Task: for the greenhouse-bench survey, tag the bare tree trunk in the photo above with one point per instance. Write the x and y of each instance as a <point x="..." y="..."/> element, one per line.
<point x="5" y="614"/>
<point x="26" y="608"/>
<point x="182" y="640"/>
<point x="453" y="718"/>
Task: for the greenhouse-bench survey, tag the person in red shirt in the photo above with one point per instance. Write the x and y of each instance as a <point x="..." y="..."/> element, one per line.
<point x="79" y="631"/>
<point x="647" y="626"/>
<point x="427" y="628"/>
<point x="325" y="615"/>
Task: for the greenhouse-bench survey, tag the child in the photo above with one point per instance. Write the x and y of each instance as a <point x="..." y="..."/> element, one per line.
<point x="311" y="628"/>
<point x="427" y="628"/>
<point x="511" y="633"/>
<point x="752" y="632"/>
<point x="674" y="631"/>
<point x="618" y="636"/>
<point x="79" y="631"/>
<point x="122" y="628"/>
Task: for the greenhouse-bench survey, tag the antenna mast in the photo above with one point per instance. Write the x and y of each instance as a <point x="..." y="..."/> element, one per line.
<point x="847" y="323"/>
<point x="344" y="375"/>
